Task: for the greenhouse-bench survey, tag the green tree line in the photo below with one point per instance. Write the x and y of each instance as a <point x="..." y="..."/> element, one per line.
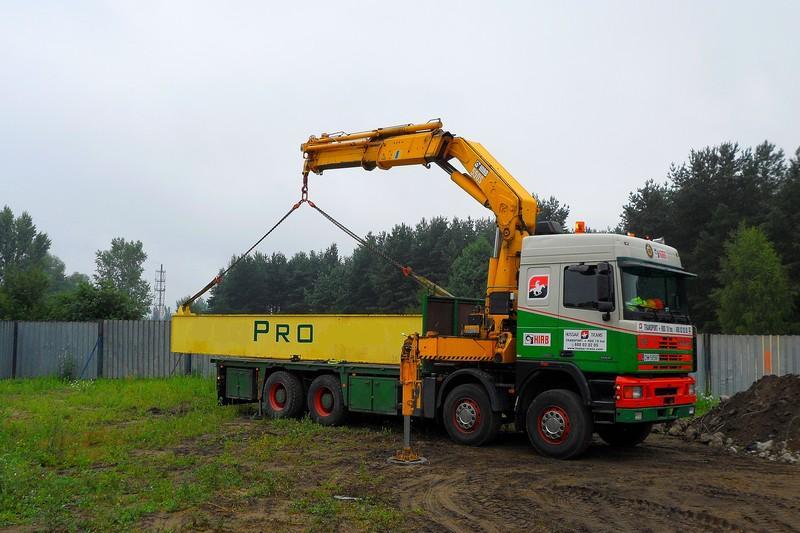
<point x="732" y="214"/>
<point x="34" y="284"/>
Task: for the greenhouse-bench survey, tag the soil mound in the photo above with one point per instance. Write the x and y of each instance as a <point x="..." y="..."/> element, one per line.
<point x="764" y="420"/>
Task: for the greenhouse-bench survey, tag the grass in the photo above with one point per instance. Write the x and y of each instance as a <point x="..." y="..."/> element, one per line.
<point x="110" y="454"/>
<point x="705" y="403"/>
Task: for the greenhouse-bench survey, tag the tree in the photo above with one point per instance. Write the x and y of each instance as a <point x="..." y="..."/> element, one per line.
<point x="23" y="255"/>
<point x="121" y="267"/>
<point x="22" y="294"/>
<point x="754" y="295"/>
<point x="647" y="213"/>
<point x="782" y="226"/>
<point x="552" y="209"/>
<point x="21" y="245"/>
<point x="470" y="269"/>
<point x="59" y="281"/>
<point x="100" y="301"/>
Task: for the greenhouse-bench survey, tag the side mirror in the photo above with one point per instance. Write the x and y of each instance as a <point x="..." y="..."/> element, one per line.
<point x="605" y="289"/>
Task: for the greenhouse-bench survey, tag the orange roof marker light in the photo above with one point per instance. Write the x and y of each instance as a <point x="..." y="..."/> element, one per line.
<point x="580" y="226"/>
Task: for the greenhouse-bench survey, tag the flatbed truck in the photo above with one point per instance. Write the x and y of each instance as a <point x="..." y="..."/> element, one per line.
<point x="579" y="333"/>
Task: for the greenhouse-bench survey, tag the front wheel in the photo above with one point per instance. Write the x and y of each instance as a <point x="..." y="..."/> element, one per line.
<point x="558" y="424"/>
<point x="468" y="417"/>
<point x="624" y="435"/>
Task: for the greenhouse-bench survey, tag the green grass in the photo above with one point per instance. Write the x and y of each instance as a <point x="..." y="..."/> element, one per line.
<point x="107" y="454"/>
<point x="705" y="403"/>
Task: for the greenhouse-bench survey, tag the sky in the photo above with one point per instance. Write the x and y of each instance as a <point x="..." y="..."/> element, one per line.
<point x="179" y="123"/>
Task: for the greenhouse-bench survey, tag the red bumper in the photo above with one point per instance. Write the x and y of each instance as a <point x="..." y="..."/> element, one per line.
<point x="655" y="392"/>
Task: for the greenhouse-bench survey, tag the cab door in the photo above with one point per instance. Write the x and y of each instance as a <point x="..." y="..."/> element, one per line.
<point x="586" y="328"/>
<point x="537" y="313"/>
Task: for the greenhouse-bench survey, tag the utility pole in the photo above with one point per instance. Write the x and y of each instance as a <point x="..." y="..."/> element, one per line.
<point x="159" y="290"/>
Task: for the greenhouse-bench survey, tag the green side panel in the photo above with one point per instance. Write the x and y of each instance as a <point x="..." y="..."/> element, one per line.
<point x="372" y="394"/>
<point x="360" y="394"/>
<point x="620" y="356"/>
<point x="239" y="383"/>
<point x="653" y="414"/>
<point x="384" y="396"/>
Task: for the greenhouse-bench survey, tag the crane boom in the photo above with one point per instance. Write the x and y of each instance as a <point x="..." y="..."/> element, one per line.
<point x="485" y="180"/>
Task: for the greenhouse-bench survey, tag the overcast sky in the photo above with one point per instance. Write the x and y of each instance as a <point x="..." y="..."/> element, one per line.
<point x="179" y="123"/>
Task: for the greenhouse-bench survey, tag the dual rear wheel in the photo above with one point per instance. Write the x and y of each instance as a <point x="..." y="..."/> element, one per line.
<point x="284" y="397"/>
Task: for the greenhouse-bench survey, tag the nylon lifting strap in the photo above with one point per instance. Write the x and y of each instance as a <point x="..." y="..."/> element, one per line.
<point x="218" y="279"/>
<point x="406" y="270"/>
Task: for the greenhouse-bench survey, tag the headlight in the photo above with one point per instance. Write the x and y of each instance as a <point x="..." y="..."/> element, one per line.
<point x="692" y="389"/>
<point x="634" y="393"/>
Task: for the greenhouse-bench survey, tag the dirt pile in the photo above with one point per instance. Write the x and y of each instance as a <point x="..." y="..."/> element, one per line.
<point x="763" y="420"/>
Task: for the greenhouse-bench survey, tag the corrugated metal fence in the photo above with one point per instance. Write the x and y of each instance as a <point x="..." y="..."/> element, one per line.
<point x="107" y="348"/>
<point x="726" y="364"/>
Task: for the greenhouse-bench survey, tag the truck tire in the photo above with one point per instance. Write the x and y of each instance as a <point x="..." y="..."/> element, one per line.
<point x="326" y="401"/>
<point x="468" y="417"/>
<point x="558" y="424"/>
<point x="624" y="435"/>
<point x="283" y="395"/>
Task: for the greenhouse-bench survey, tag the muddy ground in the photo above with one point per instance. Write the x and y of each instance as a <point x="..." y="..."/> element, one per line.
<point x="665" y="485"/>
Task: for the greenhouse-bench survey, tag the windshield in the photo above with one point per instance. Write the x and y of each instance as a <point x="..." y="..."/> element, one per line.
<point x="654" y="295"/>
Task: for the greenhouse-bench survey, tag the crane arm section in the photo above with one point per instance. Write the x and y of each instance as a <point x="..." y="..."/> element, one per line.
<point x="483" y="178"/>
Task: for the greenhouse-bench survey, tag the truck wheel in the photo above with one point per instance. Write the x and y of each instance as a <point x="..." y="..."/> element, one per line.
<point x="558" y="424"/>
<point x="468" y="416"/>
<point x="624" y="435"/>
<point x="283" y="395"/>
<point x="325" y="401"/>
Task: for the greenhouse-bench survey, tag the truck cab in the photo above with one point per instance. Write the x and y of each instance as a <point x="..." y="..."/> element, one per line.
<point x="610" y="311"/>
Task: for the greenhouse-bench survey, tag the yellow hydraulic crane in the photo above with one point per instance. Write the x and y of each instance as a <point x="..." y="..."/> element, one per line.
<point x="483" y="178"/>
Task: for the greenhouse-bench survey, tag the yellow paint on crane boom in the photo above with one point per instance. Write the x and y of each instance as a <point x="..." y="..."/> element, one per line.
<point x="375" y="339"/>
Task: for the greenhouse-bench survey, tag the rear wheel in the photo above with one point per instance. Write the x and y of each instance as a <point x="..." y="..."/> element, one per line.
<point x="326" y="401"/>
<point x="624" y="435"/>
<point x="558" y="424"/>
<point x="283" y="395"/>
<point x="468" y="417"/>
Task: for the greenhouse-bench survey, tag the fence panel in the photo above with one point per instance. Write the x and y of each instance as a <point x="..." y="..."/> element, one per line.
<point x="139" y="348"/>
<point x="6" y="348"/>
<point x="56" y="349"/>
<point x="202" y="366"/>
<point x="788" y="354"/>
<point x="701" y="375"/>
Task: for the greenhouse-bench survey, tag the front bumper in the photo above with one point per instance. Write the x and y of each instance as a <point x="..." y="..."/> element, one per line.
<point x="653" y="414"/>
<point x="659" y="399"/>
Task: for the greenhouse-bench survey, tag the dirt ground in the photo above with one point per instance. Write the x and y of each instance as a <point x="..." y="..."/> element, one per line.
<point x="665" y="485"/>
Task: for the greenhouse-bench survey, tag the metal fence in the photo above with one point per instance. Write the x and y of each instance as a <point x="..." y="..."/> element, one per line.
<point x="107" y="348"/>
<point x="726" y="364"/>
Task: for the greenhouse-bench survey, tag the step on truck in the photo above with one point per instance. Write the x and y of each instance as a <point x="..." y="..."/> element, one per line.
<point x="578" y="333"/>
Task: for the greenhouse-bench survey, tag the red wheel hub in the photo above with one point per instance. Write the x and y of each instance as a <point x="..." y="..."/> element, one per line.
<point x="553" y="424"/>
<point x="277" y="396"/>
<point x="323" y="401"/>
<point x="466" y="415"/>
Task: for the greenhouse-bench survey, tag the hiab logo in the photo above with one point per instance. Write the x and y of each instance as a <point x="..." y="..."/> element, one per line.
<point x="537" y="287"/>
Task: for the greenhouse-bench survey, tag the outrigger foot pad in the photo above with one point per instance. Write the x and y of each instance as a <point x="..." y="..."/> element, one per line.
<point x="406" y="457"/>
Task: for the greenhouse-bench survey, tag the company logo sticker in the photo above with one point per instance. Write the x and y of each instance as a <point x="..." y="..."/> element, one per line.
<point x="648" y="249"/>
<point x="585" y="340"/>
<point x="537" y="287"/>
<point x="536" y="339"/>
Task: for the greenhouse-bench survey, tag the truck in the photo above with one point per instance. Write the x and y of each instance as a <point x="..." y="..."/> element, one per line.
<point x="579" y="333"/>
